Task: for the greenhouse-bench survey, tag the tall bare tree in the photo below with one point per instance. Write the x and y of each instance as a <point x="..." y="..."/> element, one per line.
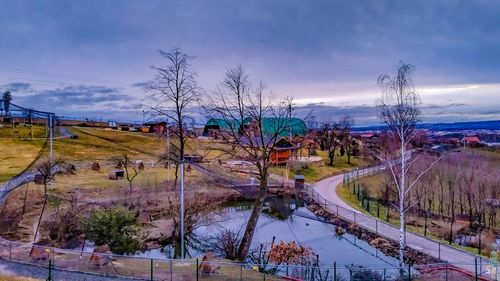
<point x="174" y="90"/>
<point x="254" y="122"/>
<point x="399" y="111"/>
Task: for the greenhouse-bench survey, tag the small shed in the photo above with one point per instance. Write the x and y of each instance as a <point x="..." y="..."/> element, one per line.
<point x="300" y="181"/>
<point x="38" y="179"/>
<point x="116" y="174"/>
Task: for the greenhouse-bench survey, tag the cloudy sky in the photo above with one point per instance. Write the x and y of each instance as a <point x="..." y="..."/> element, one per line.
<point x="89" y="58"/>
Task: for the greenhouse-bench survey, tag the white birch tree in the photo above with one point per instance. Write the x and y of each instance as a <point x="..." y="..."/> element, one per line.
<point x="400" y="112"/>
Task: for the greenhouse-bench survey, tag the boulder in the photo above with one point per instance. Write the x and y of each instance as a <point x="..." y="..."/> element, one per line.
<point x="101" y="256"/>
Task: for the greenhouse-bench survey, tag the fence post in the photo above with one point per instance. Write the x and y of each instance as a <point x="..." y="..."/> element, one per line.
<point x="49" y="278"/>
<point x="197" y="272"/>
<point x="152" y="270"/>
<point x="171" y="269"/>
<point x="409" y="272"/>
<point x="446" y="272"/>
<point x="439" y="250"/>
<point x="475" y="267"/>
<point x="354" y="215"/>
<point x="10" y="250"/>
<point x="376" y="226"/>
<point x="334" y="271"/>
<point x="337" y="210"/>
<point x="385" y="274"/>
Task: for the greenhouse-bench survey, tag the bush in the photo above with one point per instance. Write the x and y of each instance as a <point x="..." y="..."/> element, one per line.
<point x="301" y="168"/>
<point x="116" y="227"/>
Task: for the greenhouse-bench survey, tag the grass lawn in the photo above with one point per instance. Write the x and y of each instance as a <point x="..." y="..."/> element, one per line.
<point x="23" y="132"/>
<point x="91" y="145"/>
<point x="13" y="278"/>
<point x="317" y="171"/>
<point x="16" y="154"/>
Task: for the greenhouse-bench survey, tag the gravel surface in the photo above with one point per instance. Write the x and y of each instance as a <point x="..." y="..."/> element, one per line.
<point x="24" y="270"/>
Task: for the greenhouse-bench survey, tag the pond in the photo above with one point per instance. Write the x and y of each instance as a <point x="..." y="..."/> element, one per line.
<point x="289" y="220"/>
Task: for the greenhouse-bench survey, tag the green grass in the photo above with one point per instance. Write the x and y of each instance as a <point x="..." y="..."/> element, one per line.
<point x="317" y="171"/>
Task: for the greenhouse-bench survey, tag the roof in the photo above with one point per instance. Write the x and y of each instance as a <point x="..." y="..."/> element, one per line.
<point x="293" y="126"/>
<point x="222" y="124"/>
<point x="472" y="139"/>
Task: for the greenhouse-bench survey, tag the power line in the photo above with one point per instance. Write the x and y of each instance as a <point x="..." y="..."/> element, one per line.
<point x="60" y="76"/>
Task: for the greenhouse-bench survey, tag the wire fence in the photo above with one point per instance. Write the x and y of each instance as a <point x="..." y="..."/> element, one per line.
<point x="63" y="264"/>
<point x="456" y="257"/>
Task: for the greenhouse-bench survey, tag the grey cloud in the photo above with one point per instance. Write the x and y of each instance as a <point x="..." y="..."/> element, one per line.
<point x="79" y="96"/>
<point x="142" y="85"/>
<point x="16" y="87"/>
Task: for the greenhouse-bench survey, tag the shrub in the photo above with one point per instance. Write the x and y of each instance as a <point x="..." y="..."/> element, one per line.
<point x="116" y="227"/>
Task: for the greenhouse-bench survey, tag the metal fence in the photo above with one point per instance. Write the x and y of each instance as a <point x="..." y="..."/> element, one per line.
<point x="456" y="257"/>
<point x="71" y="265"/>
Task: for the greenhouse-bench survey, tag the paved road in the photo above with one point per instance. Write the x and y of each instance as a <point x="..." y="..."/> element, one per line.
<point x="324" y="192"/>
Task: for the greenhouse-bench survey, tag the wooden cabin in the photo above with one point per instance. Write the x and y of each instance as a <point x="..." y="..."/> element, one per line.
<point x="282" y="152"/>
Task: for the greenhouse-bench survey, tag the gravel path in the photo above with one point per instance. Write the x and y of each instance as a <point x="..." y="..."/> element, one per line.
<point x="23" y="270"/>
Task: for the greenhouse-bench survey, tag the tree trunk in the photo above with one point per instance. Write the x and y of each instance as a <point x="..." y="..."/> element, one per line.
<point x="246" y="240"/>
<point x="24" y="202"/>
<point x="176" y="175"/>
<point x="402" y="205"/>
<point x="40" y="218"/>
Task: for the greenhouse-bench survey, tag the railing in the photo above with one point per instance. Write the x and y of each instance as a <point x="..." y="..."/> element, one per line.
<point x="456" y="257"/>
<point x="71" y="265"/>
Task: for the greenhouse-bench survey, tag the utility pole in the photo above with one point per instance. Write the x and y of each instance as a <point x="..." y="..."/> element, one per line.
<point x="182" y="206"/>
<point x="168" y="152"/>
<point x="51" y="123"/>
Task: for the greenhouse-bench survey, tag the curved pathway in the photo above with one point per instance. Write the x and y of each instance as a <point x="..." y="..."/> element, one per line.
<point x="324" y="192"/>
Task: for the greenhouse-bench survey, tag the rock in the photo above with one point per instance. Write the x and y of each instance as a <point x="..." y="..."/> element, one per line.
<point x="339" y="231"/>
<point x="101" y="256"/>
<point x="144" y="218"/>
<point x="162" y="230"/>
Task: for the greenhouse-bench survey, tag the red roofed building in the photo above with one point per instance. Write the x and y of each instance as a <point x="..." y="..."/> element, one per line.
<point x="471" y="140"/>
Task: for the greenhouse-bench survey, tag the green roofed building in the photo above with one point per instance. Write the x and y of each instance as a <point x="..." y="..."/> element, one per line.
<point x="294" y="126"/>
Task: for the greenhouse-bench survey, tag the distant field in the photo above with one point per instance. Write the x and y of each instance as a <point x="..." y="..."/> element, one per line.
<point x="91" y="145"/>
<point x="23" y="132"/>
<point x="15" y="155"/>
<point x="99" y="144"/>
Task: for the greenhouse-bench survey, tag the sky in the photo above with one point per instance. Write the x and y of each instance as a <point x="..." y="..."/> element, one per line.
<point x="90" y="59"/>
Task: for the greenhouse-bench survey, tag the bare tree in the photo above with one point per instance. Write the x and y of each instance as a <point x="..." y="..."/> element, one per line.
<point x="47" y="171"/>
<point x="247" y="114"/>
<point x="348" y="143"/>
<point x="399" y="108"/>
<point x="329" y="137"/>
<point x="131" y="170"/>
<point x="174" y="91"/>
